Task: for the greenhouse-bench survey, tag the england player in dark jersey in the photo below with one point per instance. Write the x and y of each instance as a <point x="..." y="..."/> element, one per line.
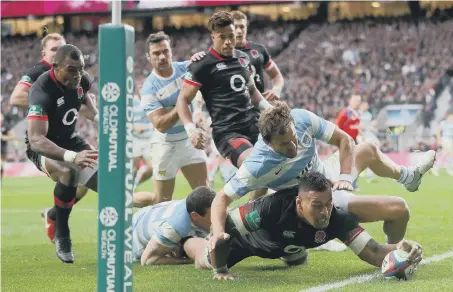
<point x="285" y="224"/>
<point x="50" y="44"/>
<point x="260" y="60"/>
<point x="223" y="77"/>
<point x="52" y="142"/>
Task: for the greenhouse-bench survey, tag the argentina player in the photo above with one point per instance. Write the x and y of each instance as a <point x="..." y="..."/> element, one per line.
<point x="172" y="150"/>
<point x="285" y="151"/>
<point x="158" y="229"/>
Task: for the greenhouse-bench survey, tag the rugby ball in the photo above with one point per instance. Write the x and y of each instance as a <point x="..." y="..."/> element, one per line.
<point x="396" y="266"/>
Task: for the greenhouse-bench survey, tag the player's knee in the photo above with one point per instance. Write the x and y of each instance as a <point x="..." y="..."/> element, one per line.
<point x="372" y="149"/>
<point x="68" y="175"/>
<point x="399" y="209"/>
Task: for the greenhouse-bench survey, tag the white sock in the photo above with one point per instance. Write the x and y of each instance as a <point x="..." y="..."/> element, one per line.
<point x="407" y="175"/>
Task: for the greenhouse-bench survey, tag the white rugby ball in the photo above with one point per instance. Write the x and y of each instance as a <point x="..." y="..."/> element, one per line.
<point x="396" y="266"/>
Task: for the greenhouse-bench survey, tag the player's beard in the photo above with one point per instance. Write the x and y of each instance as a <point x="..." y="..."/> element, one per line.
<point x="72" y="84"/>
<point x="322" y="223"/>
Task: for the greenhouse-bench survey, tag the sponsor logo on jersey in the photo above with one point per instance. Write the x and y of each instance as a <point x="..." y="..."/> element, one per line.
<point x="221" y="66"/>
<point x="25" y="78"/>
<point x="254" y="54"/>
<point x="80" y="92"/>
<point x="306" y="140"/>
<point x="288" y="234"/>
<point x="188" y="76"/>
<point x="253" y="220"/>
<point x="320" y="236"/>
<point x="36" y="110"/>
<point x="60" y="101"/>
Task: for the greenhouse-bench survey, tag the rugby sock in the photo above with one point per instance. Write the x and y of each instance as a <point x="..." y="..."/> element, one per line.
<point x="64" y="198"/>
<point x="227" y="170"/>
<point x="52" y="213"/>
<point x="407" y="175"/>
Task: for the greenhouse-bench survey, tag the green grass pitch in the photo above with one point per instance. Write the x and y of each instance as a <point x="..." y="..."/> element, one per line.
<point x="29" y="262"/>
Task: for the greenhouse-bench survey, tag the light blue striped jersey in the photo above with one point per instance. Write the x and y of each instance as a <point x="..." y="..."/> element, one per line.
<point x="141" y="121"/>
<point x="266" y="168"/>
<point x="166" y="223"/>
<point x="447" y="130"/>
<point x="159" y="92"/>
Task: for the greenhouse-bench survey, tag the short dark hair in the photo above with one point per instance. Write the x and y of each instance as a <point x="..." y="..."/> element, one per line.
<point x="238" y="15"/>
<point x="314" y="181"/>
<point x="275" y="120"/>
<point x="156" y="38"/>
<point x="199" y="200"/>
<point x="67" y="51"/>
<point x="220" y="19"/>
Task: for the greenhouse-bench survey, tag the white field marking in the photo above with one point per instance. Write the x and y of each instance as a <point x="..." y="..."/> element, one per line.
<point x="38" y="211"/>
<point x="370" y="276"/>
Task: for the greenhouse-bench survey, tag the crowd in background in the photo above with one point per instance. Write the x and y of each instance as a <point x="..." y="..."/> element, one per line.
<point x="396" y="61"/>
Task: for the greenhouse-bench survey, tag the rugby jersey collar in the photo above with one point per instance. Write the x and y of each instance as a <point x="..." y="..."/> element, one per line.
<point x="165" y="78"/>
<point x="54" y="79"/>
<point x="46" y="63"/>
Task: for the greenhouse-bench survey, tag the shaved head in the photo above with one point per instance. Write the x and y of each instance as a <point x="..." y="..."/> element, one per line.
<point x="314" y="201"/>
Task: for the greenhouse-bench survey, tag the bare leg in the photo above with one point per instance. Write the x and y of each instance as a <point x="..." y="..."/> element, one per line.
<point x="196" y="174"/>
<point x="143" y="199"/>
<point x="392" y="210"/>
<point x="195" y="249"/>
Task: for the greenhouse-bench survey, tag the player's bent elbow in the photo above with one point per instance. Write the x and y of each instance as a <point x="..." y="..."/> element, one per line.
<point x="35" y="142"/>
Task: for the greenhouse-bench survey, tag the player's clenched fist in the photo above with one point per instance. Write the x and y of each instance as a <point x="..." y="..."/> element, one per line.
<point x="86" y="158"/>
<point x="224" y="276"/>
<point x="198" y="140"/>
<point x="414" y="249"/>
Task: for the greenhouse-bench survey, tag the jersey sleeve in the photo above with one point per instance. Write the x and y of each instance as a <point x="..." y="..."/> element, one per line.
<point x="267" y="61"/>
<point x="255" y="215"/>
<point x="30" y="76"/>
<point x="317" y="127"/>
<point x="150" y="103"/>
<point x="350" y="232"/>
<point x="194" y="75"/>
<point x="39" y="104"/>
<point x="165" y="235"/>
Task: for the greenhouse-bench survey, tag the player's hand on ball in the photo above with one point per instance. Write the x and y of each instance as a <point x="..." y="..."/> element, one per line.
<point x="271" y="95"/>
<point x="414" y="249"/>
<point x="86" y="158"/>
<point x="342" y="185"/>
<point x="197" y="56"/>
<point x="198" y="140"/>
<point x="224" y="276"/>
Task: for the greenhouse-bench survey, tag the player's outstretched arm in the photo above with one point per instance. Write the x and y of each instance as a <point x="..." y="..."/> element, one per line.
<point x="186" y="96"/>
<point x="374" y="253"/>
<point x="256" y="97"/>
<point x="219" y="209"/>
<point x="157" y="254"/>
<point x="277" y="83"/>
<point x="37" y="131"/>
<point x="19" y="97"/>
<point x="346" y="147"/>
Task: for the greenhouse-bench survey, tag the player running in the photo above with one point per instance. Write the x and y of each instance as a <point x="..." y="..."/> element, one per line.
<point x="260" y="60"/>
<point x="285" y="151"/>
<point x="287" y="223"/>
<point x="52" y="142"/>
<point x="223" y="77"/>
<point x="159" y="230"/>
<point x="50" y="44"/>
<point x="172" y="149"/>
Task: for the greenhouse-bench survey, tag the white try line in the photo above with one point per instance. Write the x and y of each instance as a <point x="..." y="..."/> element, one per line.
<point x="370" y="276"/>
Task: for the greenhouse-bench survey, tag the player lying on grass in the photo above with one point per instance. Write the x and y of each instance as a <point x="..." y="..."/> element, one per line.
<point x="286" y="150"/>
<point x="284" y="225"/>
<point x="52" y="142"/>
<point x="159" y="229"/>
